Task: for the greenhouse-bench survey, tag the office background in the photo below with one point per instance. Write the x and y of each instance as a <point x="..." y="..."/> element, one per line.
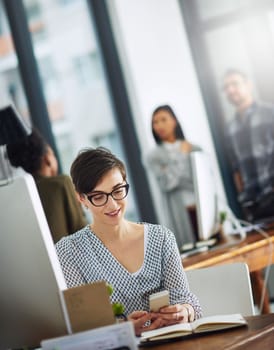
<point x="90" y="73"/>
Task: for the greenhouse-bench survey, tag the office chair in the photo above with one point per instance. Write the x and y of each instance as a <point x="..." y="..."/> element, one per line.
<point x="223" y="289"/>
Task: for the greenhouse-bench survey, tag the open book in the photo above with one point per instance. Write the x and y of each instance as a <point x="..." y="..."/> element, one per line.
<point x="202" y="325"/>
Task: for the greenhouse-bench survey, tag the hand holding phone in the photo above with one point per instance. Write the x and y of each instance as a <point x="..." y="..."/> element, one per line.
<point x="158" y="300"/>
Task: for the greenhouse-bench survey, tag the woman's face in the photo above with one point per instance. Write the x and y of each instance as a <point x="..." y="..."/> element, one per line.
<point x="164" y="125"/>
<point x="113" y="211"/>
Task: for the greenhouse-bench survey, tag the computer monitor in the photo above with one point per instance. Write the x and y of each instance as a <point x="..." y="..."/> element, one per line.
<point x="30" y="275"/>
<point x="205" y="195"/>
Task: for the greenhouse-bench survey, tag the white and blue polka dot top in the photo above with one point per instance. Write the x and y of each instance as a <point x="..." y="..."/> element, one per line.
<point x="85" y="259"/>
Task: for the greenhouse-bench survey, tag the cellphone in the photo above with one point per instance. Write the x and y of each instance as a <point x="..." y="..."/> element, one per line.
<point x="158" y="300"/>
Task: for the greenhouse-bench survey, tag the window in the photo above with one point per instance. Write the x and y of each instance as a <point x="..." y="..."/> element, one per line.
<point x="73" y="80"/>
<point x="10" y="80"/>
<point x="227" y="35"/>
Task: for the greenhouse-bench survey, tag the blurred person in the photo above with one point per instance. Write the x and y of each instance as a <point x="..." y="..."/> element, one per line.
<point x="250" y="144"/>
<point x="170" y="164"/>
<point x="136" y="259"/>
<point x="63" y="212"/>
<point x="250" y="141"/>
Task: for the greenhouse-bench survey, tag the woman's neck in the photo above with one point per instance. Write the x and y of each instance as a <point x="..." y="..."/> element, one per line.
<point x="171" y="139"/>
<point x="111" y="233"/>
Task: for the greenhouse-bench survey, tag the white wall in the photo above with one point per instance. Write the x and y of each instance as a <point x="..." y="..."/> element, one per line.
<point x="158" y="68"/>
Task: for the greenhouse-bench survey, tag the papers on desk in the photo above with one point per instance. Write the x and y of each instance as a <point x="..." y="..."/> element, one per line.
<point x="193" y="252"/>
<point x="192" y="245"/>
<point x="202" y="325"/>
<point x="189" y="249"/>
<point x="117" y="336"/>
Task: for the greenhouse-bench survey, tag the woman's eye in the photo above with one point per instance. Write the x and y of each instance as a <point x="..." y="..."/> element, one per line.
<point x="119" y="191"/>
<point x="97" y="197"/>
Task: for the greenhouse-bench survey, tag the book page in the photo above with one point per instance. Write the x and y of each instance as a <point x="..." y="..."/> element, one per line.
<point x="181" y="328"/>
<point x="209" y="323"/>
<point x="205" y="324"/>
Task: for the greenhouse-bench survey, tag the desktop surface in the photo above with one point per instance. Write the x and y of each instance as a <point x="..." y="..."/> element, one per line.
<point x="258" y="335"/>
<point x="255" y="250"/>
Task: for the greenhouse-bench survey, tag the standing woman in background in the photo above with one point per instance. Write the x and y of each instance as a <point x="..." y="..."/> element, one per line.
<point x="171" y="165"/>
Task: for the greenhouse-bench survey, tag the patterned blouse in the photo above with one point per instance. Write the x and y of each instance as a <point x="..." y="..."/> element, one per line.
<point x="85" y="259"/>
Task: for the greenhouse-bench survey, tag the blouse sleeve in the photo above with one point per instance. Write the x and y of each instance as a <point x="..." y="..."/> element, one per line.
<point x="174" y="277"/>
<point x="172" y="170"/>
<point x="67" y="258"/>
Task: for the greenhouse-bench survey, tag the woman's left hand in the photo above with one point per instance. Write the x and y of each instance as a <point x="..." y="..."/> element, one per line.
<point x="186" y="147"/>
<point x="178" y="313"/>
<point x="140" y="320"/>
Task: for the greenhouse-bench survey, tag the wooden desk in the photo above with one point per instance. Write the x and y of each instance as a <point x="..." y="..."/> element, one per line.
<point x="258" y="335"/>
<point x="254" y="250"/>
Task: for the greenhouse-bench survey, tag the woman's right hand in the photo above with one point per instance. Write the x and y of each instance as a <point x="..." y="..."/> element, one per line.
<point x="141" y="322"/>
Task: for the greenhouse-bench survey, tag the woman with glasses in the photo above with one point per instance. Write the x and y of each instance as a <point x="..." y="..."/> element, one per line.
<point x="137" y="259"/>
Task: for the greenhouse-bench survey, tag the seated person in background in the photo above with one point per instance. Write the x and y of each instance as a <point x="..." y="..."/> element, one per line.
<point x="63" y="212"/>
<point x="171" y="166"/>
<point x="137" y="259"/>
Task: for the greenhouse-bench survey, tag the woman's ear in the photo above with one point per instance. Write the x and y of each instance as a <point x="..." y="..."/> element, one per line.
<point x="50" y="162"/>
<point x="46" y="159"/>
<point x="81" y="198"/>
<point x="45" y="167"/>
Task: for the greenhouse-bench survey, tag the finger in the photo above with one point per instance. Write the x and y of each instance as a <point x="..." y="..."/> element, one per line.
<point x="137" y="314"/>
<point x="155" y="324"/>
<point x="170" y="309"/>
<point x="139" y="324"/>
<point x="184" y="315"/>
<point x="141" y="321"/>
<point x="191" y="314"/>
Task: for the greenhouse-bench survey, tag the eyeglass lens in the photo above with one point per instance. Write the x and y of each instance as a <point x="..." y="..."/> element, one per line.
<point x="100" y="199"/>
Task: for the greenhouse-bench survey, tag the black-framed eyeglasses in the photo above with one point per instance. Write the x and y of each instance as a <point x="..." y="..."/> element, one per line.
<point x="99" y="199"/>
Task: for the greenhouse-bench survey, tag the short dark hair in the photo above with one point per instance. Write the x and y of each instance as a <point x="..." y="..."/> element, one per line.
<point x="231" y="71"/>
<point x="90" y="165"/>
<point x="29" y="152"/>
<point x="178" y="129"/>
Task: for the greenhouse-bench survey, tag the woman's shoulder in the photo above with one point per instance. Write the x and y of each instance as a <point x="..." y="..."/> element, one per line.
<point x="74" y="239"/>
<point x="57" y="182"/>
<point x="159" y="232"/>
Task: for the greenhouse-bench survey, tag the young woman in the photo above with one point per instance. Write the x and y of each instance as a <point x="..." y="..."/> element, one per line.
<point x="63" y="212"/>
<point x="137" y="259"/>
<point x="170" y="164"/>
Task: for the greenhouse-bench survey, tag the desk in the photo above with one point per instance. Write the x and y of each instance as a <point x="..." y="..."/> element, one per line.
<point x="258" y="335"/>
<point x="254" y="250"/>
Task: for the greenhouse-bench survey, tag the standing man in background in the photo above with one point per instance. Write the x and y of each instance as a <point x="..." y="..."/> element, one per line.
<point x="250" y="141"/>
<point x="251" y="147"/>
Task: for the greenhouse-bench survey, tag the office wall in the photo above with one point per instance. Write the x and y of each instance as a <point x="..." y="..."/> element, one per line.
<point x="158" y="68"/>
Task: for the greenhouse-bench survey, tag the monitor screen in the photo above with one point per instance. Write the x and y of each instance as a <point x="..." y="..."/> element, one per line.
<point x="30" y="274"/>
<point x="205" y="195"/>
